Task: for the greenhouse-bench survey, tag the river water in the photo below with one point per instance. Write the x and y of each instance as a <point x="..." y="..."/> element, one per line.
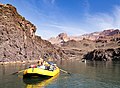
<point x="83" y="75"/>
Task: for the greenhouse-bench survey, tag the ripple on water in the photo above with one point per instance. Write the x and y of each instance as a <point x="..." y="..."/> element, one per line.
<point x="81" y="81"/>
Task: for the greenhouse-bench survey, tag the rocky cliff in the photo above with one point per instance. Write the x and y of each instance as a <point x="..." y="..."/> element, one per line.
<point x="63" y="37"/>
<point x="110" y="49"/>
<point x="103" y="55"/>
<point x="88" y="44"/>
<point x="18" y="41"/>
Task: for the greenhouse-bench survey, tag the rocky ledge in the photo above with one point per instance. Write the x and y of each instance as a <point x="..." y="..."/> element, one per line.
<point x="103" y="55"/>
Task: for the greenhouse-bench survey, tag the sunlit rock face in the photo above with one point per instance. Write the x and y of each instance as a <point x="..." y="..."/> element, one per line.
<point x="88" y="44"/>
<point x="18" y="41"/>
<point x="63" y="37"/>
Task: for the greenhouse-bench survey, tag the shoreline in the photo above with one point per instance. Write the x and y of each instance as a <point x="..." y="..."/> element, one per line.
<point x="18" y="62"/>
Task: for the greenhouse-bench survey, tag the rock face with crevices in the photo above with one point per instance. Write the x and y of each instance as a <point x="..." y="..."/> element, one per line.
<point x="103" y="55"/>
<point x="18" y="41"/>
<point x="93" y="46"/>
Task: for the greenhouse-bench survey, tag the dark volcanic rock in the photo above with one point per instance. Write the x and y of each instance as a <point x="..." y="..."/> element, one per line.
<point x="18" y="41"/>
<point x="103" y="55"/>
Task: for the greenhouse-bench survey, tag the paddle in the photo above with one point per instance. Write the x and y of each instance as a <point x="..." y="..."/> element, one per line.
<point x="59" y="68"/>
<point x="17" y="72"/>
<point x="65" y="71"/>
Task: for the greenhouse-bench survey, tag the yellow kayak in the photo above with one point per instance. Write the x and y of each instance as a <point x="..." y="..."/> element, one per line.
<point x="40" y="72"/>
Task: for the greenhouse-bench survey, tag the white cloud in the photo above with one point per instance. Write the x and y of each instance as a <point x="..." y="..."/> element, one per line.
<point x="49" y="20"/>
<point x="117" y="16"/>
<point x="102" y="21"/>
<point x="46" y="34"/>
<point x="72" y="30"/>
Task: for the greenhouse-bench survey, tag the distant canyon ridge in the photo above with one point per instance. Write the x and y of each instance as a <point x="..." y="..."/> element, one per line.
<point x="100" y="46"/>
<point x="63" y="37"/>
<point x="18" y="42"/>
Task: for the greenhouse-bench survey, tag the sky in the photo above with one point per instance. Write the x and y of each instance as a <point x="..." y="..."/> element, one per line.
<point x="74" y="17"/>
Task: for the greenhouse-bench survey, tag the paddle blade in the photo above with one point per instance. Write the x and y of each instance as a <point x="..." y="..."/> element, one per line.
<point x="14" y="73"/>
<point x="17" y="72"/>
<point x="65" y="71"/>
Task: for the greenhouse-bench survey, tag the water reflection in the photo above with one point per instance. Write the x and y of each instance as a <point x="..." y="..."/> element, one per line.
<point x="84" y="75"/>
<point x="37" y="82"/>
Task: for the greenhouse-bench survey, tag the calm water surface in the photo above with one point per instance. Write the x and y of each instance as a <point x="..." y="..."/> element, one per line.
<point x="89" y="75"/>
